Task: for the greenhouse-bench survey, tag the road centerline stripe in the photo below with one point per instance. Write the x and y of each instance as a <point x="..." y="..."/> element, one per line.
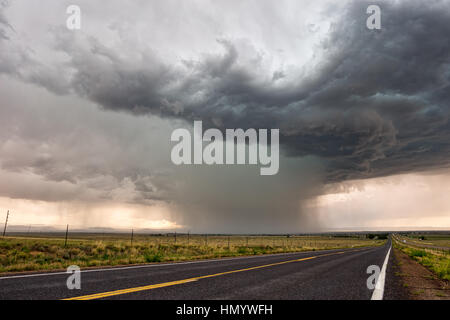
<point x="172" y="283"/>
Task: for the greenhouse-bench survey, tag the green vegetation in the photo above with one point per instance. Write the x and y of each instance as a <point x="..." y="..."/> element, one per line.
<point x="434" y="239"/>
<point x="47" y="252"/>
<point x="438" y="262"/>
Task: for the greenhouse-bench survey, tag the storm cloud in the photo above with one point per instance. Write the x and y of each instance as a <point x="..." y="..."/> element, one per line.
<point x="365" y="103"/>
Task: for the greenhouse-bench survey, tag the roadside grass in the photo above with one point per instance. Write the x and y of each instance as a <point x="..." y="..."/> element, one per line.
<point x="33" y="254"/>
<point x="438" y="263"/>
<point x="439" y="240"/>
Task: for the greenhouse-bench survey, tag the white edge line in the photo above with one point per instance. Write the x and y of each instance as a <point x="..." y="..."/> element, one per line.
<point x="164" y="264"/>
<point x="379" y="287"/>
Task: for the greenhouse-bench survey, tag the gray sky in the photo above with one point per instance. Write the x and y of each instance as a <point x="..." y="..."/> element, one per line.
<point x="86" y="115"/>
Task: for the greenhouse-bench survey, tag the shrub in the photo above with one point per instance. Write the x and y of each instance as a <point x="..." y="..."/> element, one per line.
<point x="418" y="253"/>
<point x="242" y="250"/>
<point x="155" y="257"/>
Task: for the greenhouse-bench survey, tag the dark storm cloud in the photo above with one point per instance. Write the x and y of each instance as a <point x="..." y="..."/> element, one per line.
<point x="55" y="148"/>
<point x="372" y="103"/>
<point x="377" y="104"/>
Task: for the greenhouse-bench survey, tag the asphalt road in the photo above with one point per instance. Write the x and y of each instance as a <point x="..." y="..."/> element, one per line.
<point x="331" y="274"/>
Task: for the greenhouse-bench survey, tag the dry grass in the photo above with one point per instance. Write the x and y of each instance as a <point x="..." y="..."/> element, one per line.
<point x="46" y="252"/>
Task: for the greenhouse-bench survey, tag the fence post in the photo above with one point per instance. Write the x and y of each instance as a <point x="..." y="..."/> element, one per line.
<point x="6" y="223"/>
<point x="132" y="234"/>
<point x="189" y="234"/>
<point x="67" y="232"/>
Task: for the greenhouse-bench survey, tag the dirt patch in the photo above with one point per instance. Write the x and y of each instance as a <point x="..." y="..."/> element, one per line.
<point x="420" y="282"/>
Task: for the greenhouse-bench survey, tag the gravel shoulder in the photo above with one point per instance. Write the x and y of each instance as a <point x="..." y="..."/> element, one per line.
<point x="413" y="281"/>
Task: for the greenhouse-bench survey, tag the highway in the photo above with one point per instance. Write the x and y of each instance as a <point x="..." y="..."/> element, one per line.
<point x="330" y="274"/>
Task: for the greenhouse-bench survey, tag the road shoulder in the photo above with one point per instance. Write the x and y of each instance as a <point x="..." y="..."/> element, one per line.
<point x="414" y="281"/>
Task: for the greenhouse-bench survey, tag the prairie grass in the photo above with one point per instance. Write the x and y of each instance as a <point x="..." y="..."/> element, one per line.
<point x="47" y="253"/>
<point x="437" y="262"/>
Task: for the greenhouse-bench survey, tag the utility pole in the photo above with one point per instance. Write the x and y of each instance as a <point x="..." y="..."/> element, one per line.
<point x="67" y="231"/>
<point x="6" y="223"/>
<point x="175" y="237"/>
<point x="132" y="234"/>
<point x="189" y="233"/>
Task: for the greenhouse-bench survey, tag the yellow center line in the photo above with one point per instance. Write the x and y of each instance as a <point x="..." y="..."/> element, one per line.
<point x="173" y="283"/>
<point x="130" y="290"/>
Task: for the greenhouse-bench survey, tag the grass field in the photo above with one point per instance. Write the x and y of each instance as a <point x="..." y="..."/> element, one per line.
<point x="47" y="251"/>
<point x="440" y="240"/>
<point x="435" y="260"/>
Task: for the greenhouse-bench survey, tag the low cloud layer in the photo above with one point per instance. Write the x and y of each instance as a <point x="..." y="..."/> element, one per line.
<point x="354" y="104"/>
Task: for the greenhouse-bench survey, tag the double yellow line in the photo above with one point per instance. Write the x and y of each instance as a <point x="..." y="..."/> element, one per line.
<point x="173" y="283"/>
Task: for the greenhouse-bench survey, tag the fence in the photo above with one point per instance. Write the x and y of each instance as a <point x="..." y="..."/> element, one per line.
<point x="406" y="242"/>
<point x="67" y="235"/>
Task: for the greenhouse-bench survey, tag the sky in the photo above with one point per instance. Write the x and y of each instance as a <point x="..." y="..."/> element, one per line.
<point x="86" y="115"/>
